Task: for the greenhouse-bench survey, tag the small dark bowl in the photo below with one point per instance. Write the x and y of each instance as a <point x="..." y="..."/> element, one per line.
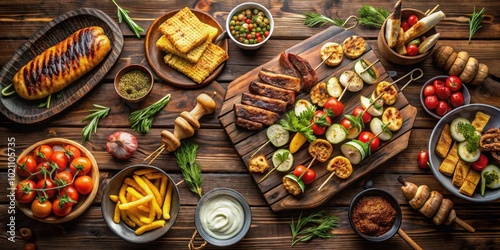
<point x="123" y="230"/>
<point x="127" y="69"/>
<point x="464" y="90"/>
<point x="247" y="221"/>
<point x="394" y="203"/>
<point x="393" y="56"/>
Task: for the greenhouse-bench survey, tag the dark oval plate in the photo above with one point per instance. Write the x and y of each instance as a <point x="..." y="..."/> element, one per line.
<point x="155" y="56"/>
<point x="24" y="111"/>
<point x="467" y="111"/>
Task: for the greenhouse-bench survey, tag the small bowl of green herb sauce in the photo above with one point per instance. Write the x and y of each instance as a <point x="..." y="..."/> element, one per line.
<point x="134" y="83"/>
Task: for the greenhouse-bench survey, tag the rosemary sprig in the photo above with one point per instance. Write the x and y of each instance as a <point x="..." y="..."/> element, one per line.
<point x="475" y="21"/>
<point x="123" y="14"/>
<point x="191" y="170"/>
<point x="316" y="224"/>
<point x="141" y="120"/>
<point x="45" y="104"/>
<point x="372" y="16"/>
<point x="313" y="19"/>
<point x="97" y="113"/>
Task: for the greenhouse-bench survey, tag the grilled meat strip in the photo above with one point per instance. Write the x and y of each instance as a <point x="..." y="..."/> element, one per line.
<point x="280" y="80"/>
<point x="250" y="125"/>
<point x="270" y="91"/>
<point x="256" y="114"/>
<point x="270" y="104"/>
<point x="309" y="77"/>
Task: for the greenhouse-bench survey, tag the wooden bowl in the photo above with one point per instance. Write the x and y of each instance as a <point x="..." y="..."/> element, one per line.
<point x="127" y="69"/>
<point x="393" y="56"/>
<point x="84" y="201"/>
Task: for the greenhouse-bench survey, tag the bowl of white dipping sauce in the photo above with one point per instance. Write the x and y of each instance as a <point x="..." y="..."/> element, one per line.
<point x="223" y="217"/>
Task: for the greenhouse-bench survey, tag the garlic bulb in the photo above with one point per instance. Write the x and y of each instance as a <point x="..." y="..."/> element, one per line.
<point x="121" y="145"/>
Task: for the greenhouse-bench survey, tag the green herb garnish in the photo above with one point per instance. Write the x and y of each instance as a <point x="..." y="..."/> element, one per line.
<point x="315" y="225"/>
<point x="123" y="14"/>
<point x="97" y="113"/>
<point x="191" y="170"/>
<point x="45" y="104"/>
<point x="313" y="19"/>
<point x="300" y="122"/>
<point x="142" y="120"/>
<point x="469" y="132"/>
<point x="475" y="21"/>
<point x="372" y="16"/>
<point x="282" y="157"/>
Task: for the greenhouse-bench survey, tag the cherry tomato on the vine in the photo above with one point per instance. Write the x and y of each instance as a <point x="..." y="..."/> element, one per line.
<point x="41" y="209"/>
<point x="69" y="192"/>
<point x="47" y="187"/>
<point x="62" y="178"/>
<point x="26" y="166"/>
<point x="42" y="153"/>
<point x="24" y="191"/>
<point x="42" y="169"/>
<point x="72" y="152"/>
<point x="81" y="164"/>
<point x="84" y="184"/>
<point x="61" y="207"/>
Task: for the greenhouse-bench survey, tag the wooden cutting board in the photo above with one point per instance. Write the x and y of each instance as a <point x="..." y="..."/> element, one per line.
<point x="246" y="141"/>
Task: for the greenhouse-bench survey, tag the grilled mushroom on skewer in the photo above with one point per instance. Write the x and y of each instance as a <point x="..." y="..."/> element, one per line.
<point x="427" y="202"/>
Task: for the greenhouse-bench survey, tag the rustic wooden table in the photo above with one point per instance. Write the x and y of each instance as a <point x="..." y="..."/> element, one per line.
<point x="221" y="165"/>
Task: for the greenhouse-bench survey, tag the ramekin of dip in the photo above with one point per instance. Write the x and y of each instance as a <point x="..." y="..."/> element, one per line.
<point x="223" y="217"/>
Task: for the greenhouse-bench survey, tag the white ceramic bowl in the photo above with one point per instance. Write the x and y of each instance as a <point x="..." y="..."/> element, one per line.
<point x="244" y="6"/>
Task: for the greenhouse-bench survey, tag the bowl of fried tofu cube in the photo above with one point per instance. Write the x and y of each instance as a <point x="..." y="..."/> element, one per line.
<point x="449" y="156"/>
<point x="180" y="48"/>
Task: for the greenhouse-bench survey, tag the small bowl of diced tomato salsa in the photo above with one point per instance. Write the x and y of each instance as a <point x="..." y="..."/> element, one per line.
<point x="250" y="25"/>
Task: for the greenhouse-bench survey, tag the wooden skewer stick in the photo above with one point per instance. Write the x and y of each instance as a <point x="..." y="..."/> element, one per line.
<point x="326" y="181"/>
<point x="321" y="63"/>
<point x="409" y="240"/>
<point x="428" y="12"/>
<point x="344" y="90"/>
<point x="156" y="156"/>
<point x="308" y="167"/>
<point x="412" y="78"/>
<point x="154" y="152"/>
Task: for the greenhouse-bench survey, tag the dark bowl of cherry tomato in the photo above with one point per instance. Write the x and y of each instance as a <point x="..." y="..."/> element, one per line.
<point x="412" y="56"/>
<point x="441" y="94"/>
<point x="250" y="25"/>
<point x="56" y="180"/>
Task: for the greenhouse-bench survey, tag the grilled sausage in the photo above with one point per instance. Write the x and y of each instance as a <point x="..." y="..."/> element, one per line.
<point x="280" y="80"/>
<point x="256" y="114"/>
<point x="62" y="64"/>
<point x="286" y="65"/>
<point x="272" y="92"/>
<point x="270" y="104"/>
<point x="309" y="77"/>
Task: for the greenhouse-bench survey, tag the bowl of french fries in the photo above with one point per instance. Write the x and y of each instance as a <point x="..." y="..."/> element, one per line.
<point x="140" y="203"/>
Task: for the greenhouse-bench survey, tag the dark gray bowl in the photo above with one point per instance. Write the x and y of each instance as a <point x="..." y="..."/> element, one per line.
<point x="464" y="90"/>
<point x="214" y="193"/>
<point x="123" y="230"/>
<point x="467" y="111"/>
<point x="394" y="203"/>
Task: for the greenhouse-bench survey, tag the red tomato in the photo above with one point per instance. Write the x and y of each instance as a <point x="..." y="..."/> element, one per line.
<point x="429" y="90"/>
<point x="259" y="39"/>
<point x="346" y="123"/>
<point x="423" y="159"/>
<point x="443" y="93"/>
<point x="24" y="191"/>
<point x="366" y="136"/>
<point x="82" y="165"/>
<point x="41" y="209"/>
<point x="454" y="83"/>
<point x="308" y="177"/>
<point x="42" y="153"/>
<point x="26" y="166"/>
<point x="412" y="50"/>
<point x="317" y="128"/>
<point x="62" y="178"/>
<point x="42" y="169"/>
<point x="84" y="184"/>
<point x="72" y="152"/>
<point x="69" y="192"/>
<point x="266" y="33"/>
<point x="412" y="20"/>
<point x="480" y="163"/>
<point x="431" y="102"/>
<point x="46" y="188"/>
<point x="60" y="159"/>
<point x="366" y="116"/>
<point x="437" y="83"/>
<point x="457" y="99"/>
<point x="442" y="108"/>
<point x="335" y="105"/>
<point x="61" y="208"/>
<point x="405" y="25"/>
